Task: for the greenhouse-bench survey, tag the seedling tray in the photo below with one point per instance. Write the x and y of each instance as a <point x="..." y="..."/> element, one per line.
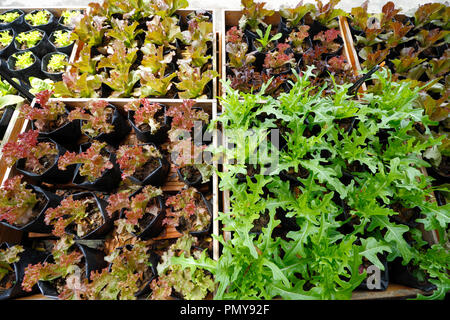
<point x="172" y="185"/>
<point x="231" y="18"/>
<point x="182" y="13"/>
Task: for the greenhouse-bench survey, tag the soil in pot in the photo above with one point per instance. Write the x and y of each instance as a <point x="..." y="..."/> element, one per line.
<point x="37" y="209"/>
<point x="143" y="172"/>
<point x="92" y="222"/>
<point x="191" y="175"/>
<point x="46" y="162"/>
<point x="151" y="212"/>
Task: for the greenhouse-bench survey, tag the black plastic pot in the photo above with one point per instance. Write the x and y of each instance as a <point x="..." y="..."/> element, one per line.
<point x="4" y="120"/>
<point x="102" y="230"/>
<point x="28" y="256"/>
<point x="146" y="136"/>
<point x="45" y="60"/>
<point x="283" y="29"/>
<point x="67" y="134"/>
<point x="17" y="25"/>
<point x="208" y="229"/>
<point x="121" y="129"/>
<point x="157" y="177"/>
<point x="153" y="259"/>
<point x="53" y="174"/>
<point x="48" y="27"/>
<point x="94" y="260"/>
<point x="40" y="49"/>
<point x="403" y="275"/>
<point x="155" y="227"/>
<point x="66" y="49"/>
<point x="196" y="182"/>
<point x="10" y="48"/>
<point x="23" y="74"/>
<point x="37" y="224"/>
<point x="107" y="182"/>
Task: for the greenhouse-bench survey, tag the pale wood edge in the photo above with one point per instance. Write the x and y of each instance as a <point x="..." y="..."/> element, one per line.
<point x="349" y="48"/>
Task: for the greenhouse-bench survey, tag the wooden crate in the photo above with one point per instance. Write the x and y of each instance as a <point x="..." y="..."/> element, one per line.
<point x="231" y="18"/>
<point x="172" y="185"/>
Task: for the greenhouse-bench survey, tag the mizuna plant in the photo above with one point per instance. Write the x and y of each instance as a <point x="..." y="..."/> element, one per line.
<point x="17" y="201"/>
<point x="347" y="205"/>
<point x="28" y="147"/>
<point x="94" y="161"/>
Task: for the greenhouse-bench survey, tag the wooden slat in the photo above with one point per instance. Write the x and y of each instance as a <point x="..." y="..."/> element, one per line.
<point x="349" y="48"/>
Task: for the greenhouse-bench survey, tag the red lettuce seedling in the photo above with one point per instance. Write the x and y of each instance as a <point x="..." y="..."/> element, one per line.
<point x="93" y="161"/>
<point x="80" y="212"/>
<point x="119" y="62"/>
<point x="96" y="116"/>
<point x="129" y="271"/>
<point x="144" y="113"/>
<point x="131" y="158"/>
<point x="191" y="283"/>
<point x="136" y="207"/>
<point x="193" y="81"/>
<point x="327" y="40"/>
<point x="190" y="155"/>
<point x="237" y="48"/>
<point x="66" y="263"/>
<point x="8" y="257"/>
<point x="46" y="113"/>
<point x="28" y="147"/>
<point x="279" y="59"/>
<point x="184" y="117"/>
<point x="16" y="201"/>
<point x="297" y="38"/>
<point x="188" y="208"/>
